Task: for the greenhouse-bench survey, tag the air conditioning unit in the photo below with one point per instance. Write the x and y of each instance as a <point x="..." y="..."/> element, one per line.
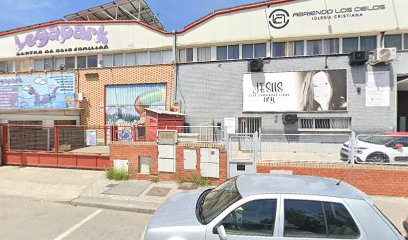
<point x="256" y="65"/>
<point x="289" y="118"/>
<point x="167" y="137"/>
<point x="383" y="55"/>
<point x="358" y="58"/>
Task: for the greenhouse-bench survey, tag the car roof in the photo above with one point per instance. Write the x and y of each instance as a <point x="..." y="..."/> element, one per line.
<point x="256" y="184"/>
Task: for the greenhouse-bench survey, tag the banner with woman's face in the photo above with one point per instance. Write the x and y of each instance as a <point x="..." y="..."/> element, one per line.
<point x="308" y="91"/>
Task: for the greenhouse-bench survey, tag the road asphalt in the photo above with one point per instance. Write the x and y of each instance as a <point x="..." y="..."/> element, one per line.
<point x="43" y="203"/>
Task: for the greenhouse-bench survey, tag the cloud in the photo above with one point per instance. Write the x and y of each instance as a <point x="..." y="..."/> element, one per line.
<point x="40" y="81"/>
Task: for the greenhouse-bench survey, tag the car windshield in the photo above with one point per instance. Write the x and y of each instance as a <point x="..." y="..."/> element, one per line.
<point x="380" y="140"/>
<point x="219" y="199"/>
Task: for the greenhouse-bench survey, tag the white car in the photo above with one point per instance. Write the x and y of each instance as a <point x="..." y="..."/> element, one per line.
<point x="383" y="149"/>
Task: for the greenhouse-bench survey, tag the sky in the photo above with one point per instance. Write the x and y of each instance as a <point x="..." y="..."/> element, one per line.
<point x="174" y="14"/>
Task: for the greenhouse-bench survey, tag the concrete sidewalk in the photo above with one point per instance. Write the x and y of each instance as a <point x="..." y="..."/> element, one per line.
<point x="134" y="196"/>
<point x="49" y="184"/>
<point x="394" y="208"/>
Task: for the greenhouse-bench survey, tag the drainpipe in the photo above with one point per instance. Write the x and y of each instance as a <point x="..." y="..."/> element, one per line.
<point x="175" y="65"/>
<point x="382" y="43"/>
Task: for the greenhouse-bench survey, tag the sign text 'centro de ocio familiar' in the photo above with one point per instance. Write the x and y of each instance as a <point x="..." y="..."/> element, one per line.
<point x="61" y="34"/>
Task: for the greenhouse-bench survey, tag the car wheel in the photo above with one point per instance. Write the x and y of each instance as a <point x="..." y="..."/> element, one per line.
<point x="378" y="157"/>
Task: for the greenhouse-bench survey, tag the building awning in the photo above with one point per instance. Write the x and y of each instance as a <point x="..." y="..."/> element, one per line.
<point x="402" y="82"/>
<point x="158" y="111"/>
<point x="119" y="10"/>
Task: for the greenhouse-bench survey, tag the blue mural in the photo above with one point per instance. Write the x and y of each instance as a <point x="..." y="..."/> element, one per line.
<point x="37" y="91"/>
<point x="126" y="103"/>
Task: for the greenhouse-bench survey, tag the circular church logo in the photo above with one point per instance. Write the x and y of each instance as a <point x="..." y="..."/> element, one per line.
<point x="279" y="18"/>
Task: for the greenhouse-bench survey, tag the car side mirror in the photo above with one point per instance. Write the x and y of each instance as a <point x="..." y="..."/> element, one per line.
<point x="220" y="230"/>
<point x="398" y="146"/>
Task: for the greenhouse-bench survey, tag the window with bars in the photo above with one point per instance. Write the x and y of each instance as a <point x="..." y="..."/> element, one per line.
<point x="249" y="125"/>
<point x="324" y="124"/>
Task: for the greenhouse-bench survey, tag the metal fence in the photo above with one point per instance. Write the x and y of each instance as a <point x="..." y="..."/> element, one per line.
<point x="241" y="147"/>
<point x="302" y="147"/>
<point x="200" y="134"/>
<point x="95" y="139"/>
<point x="388" y="149"/>
<point x="84" y="139"/>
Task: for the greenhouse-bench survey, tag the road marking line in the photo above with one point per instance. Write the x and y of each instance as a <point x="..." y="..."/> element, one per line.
<point x="69" y="231"/>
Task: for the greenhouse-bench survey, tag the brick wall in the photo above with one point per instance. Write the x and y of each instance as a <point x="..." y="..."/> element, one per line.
<point x="133" y="152"/>
<point x="94" y="88"/>
<point x="373" y="180"/>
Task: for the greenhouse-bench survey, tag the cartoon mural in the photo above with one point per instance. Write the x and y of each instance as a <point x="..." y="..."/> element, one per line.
<point x="37" y="91"/>
<point x="125" y="104"/>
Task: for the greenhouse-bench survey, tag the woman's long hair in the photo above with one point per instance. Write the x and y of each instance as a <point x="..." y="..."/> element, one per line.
<point x="308" y="102"/>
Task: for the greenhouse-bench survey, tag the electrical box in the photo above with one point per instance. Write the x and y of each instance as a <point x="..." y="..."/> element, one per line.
<point x="167" y="137"/>
<point x="190" y="159"/>
<point x="358" y="58"/>
<point x="144" y="165"/>
<point x="121" y="165"/>
<point x="210" y="162"/>
<point x="167" y="158"/>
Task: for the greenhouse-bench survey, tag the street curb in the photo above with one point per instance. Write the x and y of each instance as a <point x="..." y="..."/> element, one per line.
<point x="114" y="207"/>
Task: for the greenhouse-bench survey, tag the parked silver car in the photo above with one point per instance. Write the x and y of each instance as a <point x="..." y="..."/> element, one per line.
<point x="271" y="207"/>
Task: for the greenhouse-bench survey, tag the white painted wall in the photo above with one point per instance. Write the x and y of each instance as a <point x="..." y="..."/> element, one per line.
<point x="253" y="24"/>
<point x="122" y="37"/>
<point x="245" y="26"/>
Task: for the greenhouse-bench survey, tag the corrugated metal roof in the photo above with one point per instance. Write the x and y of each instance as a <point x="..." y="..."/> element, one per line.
<point x="158" y="111"/>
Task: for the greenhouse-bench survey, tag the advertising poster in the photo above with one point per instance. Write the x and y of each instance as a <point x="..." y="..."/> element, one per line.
<point x="126" y="103"/>
<point x="378" y="89"/>
<point x="229" y="125"/>
<point x="309" y="91"/>
<point x="91" y="138"/>
<point x="37" y="91"/>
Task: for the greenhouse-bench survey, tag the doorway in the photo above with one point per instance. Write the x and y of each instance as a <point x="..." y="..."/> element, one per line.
<point x="402" y="102"/>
